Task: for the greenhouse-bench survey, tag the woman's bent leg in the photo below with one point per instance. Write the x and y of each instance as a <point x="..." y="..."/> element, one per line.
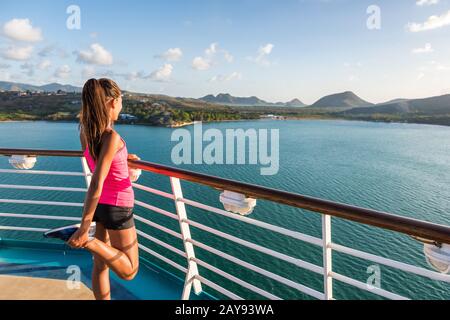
<point x="100" y="270"/>
<point x="122" y="256"/>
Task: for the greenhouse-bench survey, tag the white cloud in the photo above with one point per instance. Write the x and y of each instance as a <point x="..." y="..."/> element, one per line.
<point x="228" y="57"/>
<point x="427" y="49"/>
<point x="263" y="52"/>
<point x="266" y="50"/>
<point x="212" y="49"/>
<point x="223" y="78"/>
<point x="4" y="66"/>
<point x="172" y="54"/>
<point x="163" y="73"/>
<point x="96" y="55"/>
<point x="44" y="65"/>
<point x="420" y="76"/>
<point x="63" y="72"/>
<point x="422" y="3"/>
<point x="210" y="57"/>
<point x="18" y="53"/>
<point x="200" y="63"/>
<point x="433" y="22"/>
<point x="21" y="30"/>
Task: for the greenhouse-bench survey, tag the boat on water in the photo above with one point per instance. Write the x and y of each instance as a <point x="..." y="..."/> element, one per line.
<point x="50" y="269"/>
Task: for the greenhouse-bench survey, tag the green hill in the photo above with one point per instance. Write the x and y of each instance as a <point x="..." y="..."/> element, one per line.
<point x="23" y="87"/>
<point x="345" y="100"/>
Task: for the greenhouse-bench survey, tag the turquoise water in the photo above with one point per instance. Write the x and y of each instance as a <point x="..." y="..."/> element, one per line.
<point x="399" y="168"/>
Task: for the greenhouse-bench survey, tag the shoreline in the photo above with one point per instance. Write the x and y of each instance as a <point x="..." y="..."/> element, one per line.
<point x="20" y="120"/>
<point x="286" y="118"/>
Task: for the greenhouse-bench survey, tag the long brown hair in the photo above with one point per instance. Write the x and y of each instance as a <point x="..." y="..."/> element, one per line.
<point x="95" y="115"/>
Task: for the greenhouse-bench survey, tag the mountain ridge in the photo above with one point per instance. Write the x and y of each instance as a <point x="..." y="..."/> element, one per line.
<point x="345" y="103"/>
<point x="50" y="87"/>
<point x="431" y="106"/>
<point x="227" y="99"/>
<point x="347" y="100"/>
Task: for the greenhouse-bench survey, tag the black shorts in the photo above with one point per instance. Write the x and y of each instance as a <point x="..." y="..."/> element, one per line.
<point x="114" y="217"/>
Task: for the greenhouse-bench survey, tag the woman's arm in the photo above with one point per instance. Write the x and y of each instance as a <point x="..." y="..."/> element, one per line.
<point x="110" y="145"/>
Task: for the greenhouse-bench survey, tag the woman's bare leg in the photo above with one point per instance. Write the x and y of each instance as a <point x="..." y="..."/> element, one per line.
<point x="123" y="254"/>
<point x="100" y="270"/>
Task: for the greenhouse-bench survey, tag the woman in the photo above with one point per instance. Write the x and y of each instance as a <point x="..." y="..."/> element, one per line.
<point x="110" y="198"/>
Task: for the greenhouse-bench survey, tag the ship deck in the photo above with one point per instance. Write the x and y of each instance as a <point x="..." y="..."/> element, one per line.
<point x="39" y="271"/>
<point x="29" y="288"/>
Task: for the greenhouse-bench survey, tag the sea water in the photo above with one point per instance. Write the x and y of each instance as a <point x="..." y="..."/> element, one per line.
<point x="399" y="168"/>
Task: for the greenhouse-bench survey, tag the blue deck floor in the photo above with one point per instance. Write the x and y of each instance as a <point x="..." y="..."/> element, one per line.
<point x="31" y="259"/>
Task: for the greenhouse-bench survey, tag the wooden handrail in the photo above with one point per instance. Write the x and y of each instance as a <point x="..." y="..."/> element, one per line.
<point x="41" y="152"/>
<point x="413" y="227"/>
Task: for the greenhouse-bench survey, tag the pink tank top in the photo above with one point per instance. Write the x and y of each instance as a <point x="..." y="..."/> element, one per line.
<point x="117" y="189"/>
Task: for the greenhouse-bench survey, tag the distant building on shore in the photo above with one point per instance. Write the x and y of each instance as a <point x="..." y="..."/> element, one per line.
<point x="128" y="118"/>
<point x="272" y="116"/>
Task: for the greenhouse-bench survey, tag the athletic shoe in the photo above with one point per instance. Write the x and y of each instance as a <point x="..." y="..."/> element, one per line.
<point x="64" y="233"/>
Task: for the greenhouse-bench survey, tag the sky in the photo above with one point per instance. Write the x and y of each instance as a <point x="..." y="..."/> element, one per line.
<point x="276" y="50"/>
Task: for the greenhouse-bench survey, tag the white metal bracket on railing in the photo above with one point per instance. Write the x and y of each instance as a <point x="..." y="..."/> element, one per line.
<point x="188" y="246"/>
<point x="327" y="257"/>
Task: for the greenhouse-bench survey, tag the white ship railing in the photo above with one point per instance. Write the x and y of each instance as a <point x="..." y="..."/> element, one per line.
<point x="193" y="278"/>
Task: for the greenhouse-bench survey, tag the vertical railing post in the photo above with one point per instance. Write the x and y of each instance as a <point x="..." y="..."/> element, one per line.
<point x="87" y="172"/>
<point x="188" y="246"/>
<point x="327" y="257"/>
